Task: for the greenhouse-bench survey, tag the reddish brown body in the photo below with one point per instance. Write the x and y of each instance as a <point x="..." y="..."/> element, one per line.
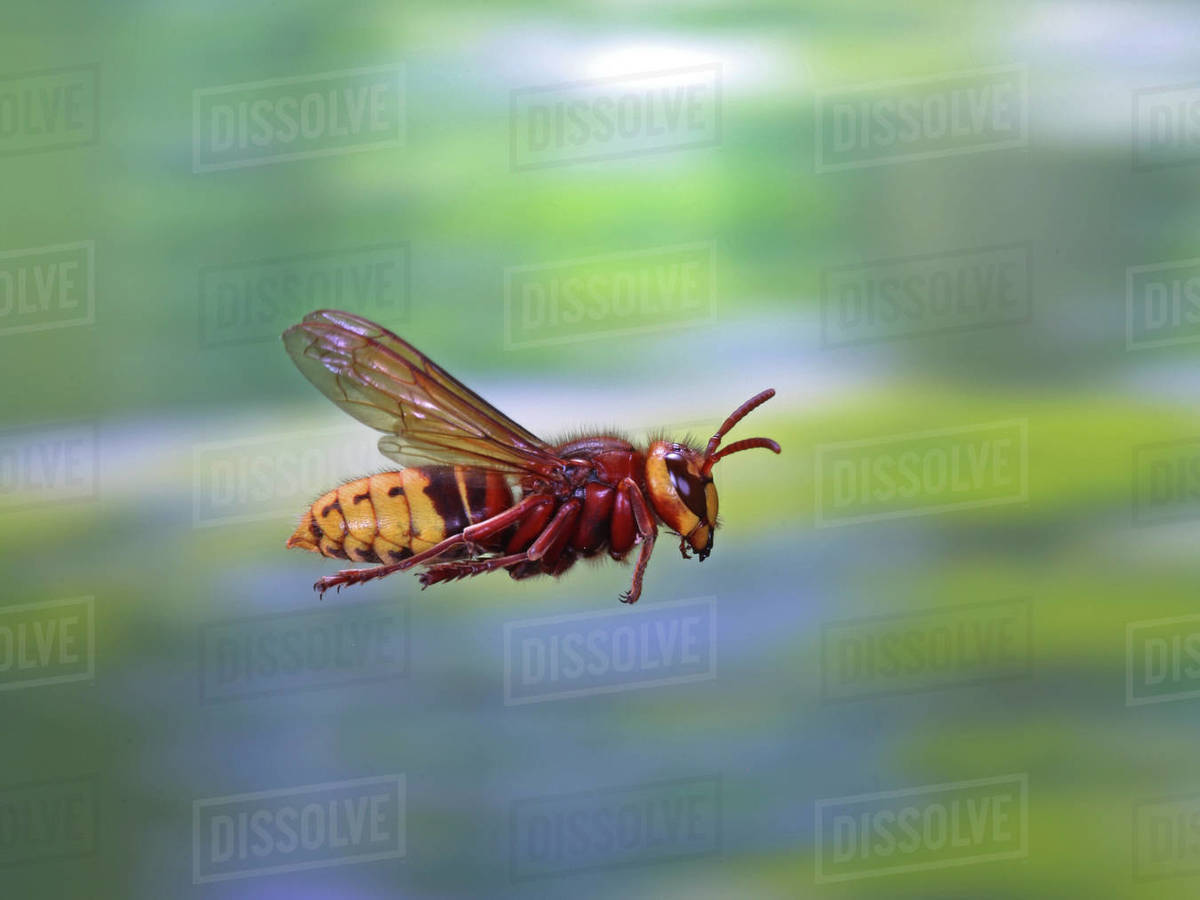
<point x="459" y="517"/>
<point x="593" y="513"/>
<point x="385" y="518"/>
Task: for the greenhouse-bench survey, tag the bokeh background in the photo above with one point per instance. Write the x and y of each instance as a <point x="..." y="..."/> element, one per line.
<point x="169" y="404"/>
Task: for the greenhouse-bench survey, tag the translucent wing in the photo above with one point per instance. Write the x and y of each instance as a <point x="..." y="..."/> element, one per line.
<point x="429" y="416"/>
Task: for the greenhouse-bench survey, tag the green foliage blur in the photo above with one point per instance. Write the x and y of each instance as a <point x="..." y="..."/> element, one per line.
<point x="161" y="395"/>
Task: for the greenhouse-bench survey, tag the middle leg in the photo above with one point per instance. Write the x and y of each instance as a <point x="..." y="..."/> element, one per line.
<point x="555" y="533"/>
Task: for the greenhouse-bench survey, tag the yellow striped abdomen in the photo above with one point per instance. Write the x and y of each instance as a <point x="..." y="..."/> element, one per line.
<point x="388" y="517"/>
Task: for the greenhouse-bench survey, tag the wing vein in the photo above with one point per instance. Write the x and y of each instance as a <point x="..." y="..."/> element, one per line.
<point x="425" y="413"/>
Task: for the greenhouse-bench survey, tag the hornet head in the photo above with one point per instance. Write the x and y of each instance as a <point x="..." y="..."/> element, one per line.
<point x="680" y="483"/>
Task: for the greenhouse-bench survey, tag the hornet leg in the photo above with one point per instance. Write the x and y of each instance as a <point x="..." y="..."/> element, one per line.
<point x="648" y="531"/>
<point x="472" y="533"/>
<point x="559" y="526"/>
<point x="452" y="571"/>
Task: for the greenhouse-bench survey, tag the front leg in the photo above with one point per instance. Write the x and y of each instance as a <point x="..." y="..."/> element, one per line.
<point x="648" y="531"/>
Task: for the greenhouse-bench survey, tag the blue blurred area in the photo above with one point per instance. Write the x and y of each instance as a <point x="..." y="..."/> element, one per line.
<point x="973" y="561"/>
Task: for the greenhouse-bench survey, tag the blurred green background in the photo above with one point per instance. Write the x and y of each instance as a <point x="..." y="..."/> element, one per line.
<point x="170" y="405"/>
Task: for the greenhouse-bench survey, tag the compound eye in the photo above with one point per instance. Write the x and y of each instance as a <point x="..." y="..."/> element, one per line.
<point x="687" y="485"/>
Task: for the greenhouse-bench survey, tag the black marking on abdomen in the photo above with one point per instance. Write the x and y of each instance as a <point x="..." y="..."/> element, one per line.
<point x="447" y="501"/>
<point x="476" y="482"/>
<point x="367" y="555"/>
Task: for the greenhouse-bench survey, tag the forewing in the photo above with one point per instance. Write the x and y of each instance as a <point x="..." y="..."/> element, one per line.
<point x="429" y="415"/>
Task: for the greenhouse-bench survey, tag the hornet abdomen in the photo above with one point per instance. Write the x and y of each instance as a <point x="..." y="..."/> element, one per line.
<point x="386" y="518"/>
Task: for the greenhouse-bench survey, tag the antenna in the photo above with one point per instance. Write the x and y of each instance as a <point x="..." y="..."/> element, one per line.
<point x="711" y="457"/>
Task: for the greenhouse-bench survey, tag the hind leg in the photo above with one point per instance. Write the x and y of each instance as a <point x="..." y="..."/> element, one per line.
<point x="480" y="531"/>
<point x="452" y="571"/>
<point x="531" y="558"/>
